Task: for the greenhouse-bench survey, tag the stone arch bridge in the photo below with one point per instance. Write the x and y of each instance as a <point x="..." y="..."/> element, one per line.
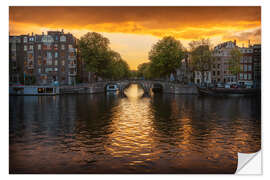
<point x="146" y="85"/>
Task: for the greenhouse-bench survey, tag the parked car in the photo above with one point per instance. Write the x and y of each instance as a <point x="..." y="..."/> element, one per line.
<point x="227" y="85"/>
<point x="219" y="85"/>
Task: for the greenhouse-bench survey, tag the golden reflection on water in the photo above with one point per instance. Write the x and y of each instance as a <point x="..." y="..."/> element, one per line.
<point x="132" y="127"/>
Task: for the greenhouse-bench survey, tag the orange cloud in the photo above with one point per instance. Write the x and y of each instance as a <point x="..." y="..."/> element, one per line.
<point x="184" y="23"/>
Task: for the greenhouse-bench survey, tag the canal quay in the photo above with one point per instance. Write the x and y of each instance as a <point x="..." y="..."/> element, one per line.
<point x="101" y="87"/>
<point x="110" y="133"/>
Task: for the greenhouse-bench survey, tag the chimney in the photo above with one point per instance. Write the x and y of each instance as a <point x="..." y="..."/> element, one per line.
<point x="32" y="34"/>
<point x="248" y="43"/>
<point x="234" y="42"/>
<point x="62" y="31"/>
<point x="42" y="33"/>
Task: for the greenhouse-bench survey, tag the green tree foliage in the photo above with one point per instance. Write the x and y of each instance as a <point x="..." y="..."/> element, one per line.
<point x="119" y="69"/>
<point x="201" y="56"/>
<point x="234" y="62"/>
<point x="99" y="59"/>
<point x="166" y="56"/>
<point x="145" y="71"/>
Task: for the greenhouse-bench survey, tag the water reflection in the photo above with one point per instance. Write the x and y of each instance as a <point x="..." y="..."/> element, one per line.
<point x="104" y="133"/>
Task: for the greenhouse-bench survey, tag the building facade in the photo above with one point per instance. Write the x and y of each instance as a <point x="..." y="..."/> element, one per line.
<point x="220" y="68"/>
<point x="43" y="59"/>
<point x="245" y="76"/>
<point x="250" y="64"/>
<point x="257" y="65"/>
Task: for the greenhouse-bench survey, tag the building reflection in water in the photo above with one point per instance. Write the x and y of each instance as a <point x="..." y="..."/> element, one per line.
<point x="103" y="133"/>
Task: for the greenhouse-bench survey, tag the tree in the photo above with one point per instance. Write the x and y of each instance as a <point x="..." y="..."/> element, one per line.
<point x="201" y="56"/>
<point x="118" y="68"/>
<point x="166" y="56"/>
<point x="146" y="70"/>
<point x="141" y="68"/>
<point x="95" y="52"/>
<point x="234" y="62"/>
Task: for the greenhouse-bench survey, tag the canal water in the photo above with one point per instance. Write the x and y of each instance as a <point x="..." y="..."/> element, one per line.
<point x="105" y="133"/>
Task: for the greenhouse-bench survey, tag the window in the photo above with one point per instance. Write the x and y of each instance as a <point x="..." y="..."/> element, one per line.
<point x="241" y="60"/>
<point x="49" y="61"/>
<point x="31" y="47"/>
<point x="70" y="46"/>
<point x="49" y="47"/>
<point x="25" y="39"/>
<point x="249" y="59"/>
<point x="63" y="38"/>
<point x="56" y="54"/>
<point x="63" y="69"/>
<point x="39" y="70"/>
<point x="31" y="39"/>
<point x="30" y="56"/>
<point x="56" y="62"/>
<point x="241" y="75"/>
<point x="249" y="67"/>
<point x="39" y="60"/>
<point x="241" y="67"/>
<point x="245" y="76"/>
<point x="63" y="63"/>
<point x="214" y="73"/>
<point x="245" y="68"/>
<point x="55" y="46"/>
<point x="49" y="55"/>
<point x="39" y="46"/>
<point x="245" y="59"/>
<point x="218" y="73"/>
<point x="63" y="47"/>
<point x="249" y="76"/>
<point x="55" y="69"/>
<point x="25" y="48"/>
<point x="218" y="66"/>
<point x="48" y="70"/>
<point x="56" y="38"/>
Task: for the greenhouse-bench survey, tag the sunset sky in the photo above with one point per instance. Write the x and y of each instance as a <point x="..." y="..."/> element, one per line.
<point x="133" y="30"/>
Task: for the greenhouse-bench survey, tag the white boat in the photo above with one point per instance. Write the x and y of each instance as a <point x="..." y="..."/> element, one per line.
<point x="112" y="87"/>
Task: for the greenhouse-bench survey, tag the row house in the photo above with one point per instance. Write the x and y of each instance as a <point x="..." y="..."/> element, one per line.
<point x="220" y="67"/>
<point x="257" y="65"/>
<point x="245" y="76"/>
<point x="46" y="58"/>
<point x="15" y="59"/>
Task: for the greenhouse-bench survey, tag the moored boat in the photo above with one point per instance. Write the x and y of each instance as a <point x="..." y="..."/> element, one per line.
<point x="112" y="87"/>
<point x="33" y="90"/>
<point x="229" y="91"/>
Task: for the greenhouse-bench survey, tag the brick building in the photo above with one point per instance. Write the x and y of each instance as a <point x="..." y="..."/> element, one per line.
<point x="43" y="59"/>
<point x="257" y="65"/>
<point x="245" y="76"/>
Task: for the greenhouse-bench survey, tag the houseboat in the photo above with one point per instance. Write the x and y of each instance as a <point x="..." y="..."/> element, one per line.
<point x="229" y="91"/>
<point x="33" y="90"/>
